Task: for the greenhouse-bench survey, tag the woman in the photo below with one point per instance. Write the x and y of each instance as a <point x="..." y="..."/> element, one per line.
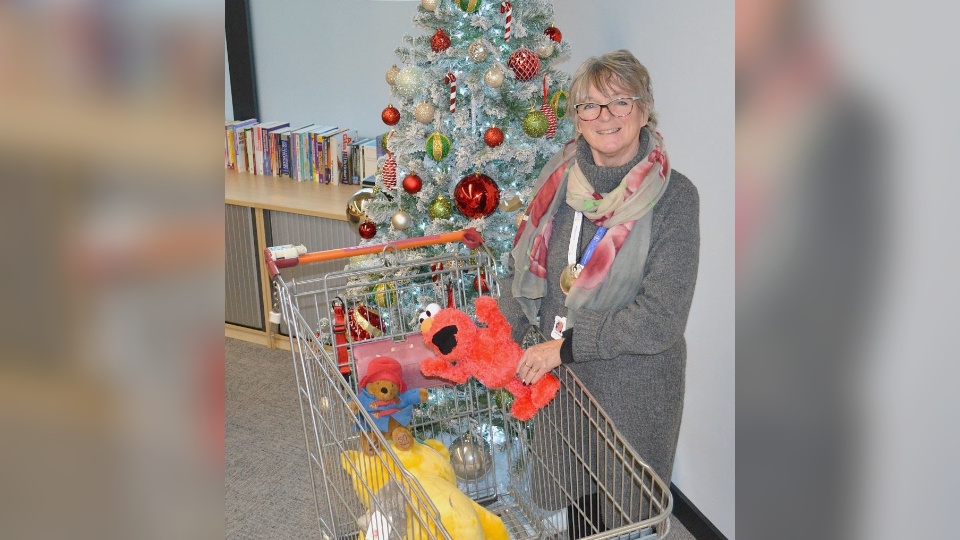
<point x="623" y="316"/>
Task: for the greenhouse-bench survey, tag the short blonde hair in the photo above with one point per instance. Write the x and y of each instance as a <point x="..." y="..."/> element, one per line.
<point x="616" y="68"/>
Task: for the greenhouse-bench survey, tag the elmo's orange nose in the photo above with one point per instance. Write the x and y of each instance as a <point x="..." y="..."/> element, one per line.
<point x="426" y="324"/>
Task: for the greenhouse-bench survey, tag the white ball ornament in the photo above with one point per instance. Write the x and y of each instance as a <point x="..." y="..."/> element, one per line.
<point x="494" y="77"/>
<point x="429" y="5"/>
<point x="391" y="75"/>
<point x="409" y="81"/>
<point x="545" y="50"/>
<point x="424" y="112"/>
<point x="401" y="220"/>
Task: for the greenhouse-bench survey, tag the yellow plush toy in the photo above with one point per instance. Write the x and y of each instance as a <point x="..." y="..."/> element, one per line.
<point x="429" y="463"/>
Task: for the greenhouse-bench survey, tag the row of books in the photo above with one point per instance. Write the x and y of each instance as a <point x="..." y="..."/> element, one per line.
<point x="311" y="153"/>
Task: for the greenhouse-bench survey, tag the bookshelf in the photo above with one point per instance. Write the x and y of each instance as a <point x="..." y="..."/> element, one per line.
<point x="286" y="195"/>
<point x="268" y="210"/>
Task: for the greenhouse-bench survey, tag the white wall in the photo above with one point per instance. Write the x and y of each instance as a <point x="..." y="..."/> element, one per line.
<point x="687" y="45"/>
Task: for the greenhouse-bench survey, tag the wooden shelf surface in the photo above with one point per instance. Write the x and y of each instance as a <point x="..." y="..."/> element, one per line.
<point x="287" y="195"/>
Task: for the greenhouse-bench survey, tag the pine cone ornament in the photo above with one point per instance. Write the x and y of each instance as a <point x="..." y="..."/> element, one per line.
<point x="390" y="172"/>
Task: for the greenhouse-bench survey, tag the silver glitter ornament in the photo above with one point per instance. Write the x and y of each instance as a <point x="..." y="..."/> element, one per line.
<point x="477" y="52"/>
<point x="409" y="81"/>
<point x="470" y="457"/>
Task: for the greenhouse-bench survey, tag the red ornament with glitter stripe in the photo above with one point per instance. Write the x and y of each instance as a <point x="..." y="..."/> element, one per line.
<point x="549" y="112"/>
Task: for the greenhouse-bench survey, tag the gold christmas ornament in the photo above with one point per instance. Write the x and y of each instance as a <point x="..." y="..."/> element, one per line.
<point x="559" y="103"/>
<point x="424" y="112"/>
<point x="392" y="74"/>
<point x="536" y="124"/>
<point x="386" y="295"/>
<point x="437" y="145"/>
<point x="409" y="81"/>
<point x="429" y="5"/>
<point x="545" y="50"/>
<point x="477" y="52"/>
<point x="468" y="5"/>
<point x="440" y="208"/>
<point x="569" y="274"/>
<point x="519" y="218"/>
<point x="494" y="77"/>
<point x="511" y="204"/>
<point x="357" y="207"/>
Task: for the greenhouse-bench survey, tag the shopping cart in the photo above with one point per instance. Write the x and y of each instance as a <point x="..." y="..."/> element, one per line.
<point x="566" y="468"/>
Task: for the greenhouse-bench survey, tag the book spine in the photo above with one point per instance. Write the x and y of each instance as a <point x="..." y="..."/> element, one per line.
<point x="284" y="154"/>
<point x="293" y="156"/>
<point x="319" y="162"/>
<point x="257" y="150"/>
<point x="344" y="157"/>
<point x="241" y="151"/>
<point x="232" y="149"/>
<point x="248" y="137"/>
<point x="305" y="157"/>
<point x="265" y="151"/>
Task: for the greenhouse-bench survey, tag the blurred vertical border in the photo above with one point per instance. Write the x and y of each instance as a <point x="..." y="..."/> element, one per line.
<point x="111" y="343"/>
<point x="846" y="248"/>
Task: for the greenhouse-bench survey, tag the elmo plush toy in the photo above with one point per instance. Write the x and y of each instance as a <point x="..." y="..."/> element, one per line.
<point x="490" y="354"/>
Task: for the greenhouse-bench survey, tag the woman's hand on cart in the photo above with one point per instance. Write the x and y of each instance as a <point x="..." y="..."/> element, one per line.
<point x="539" y="360"/>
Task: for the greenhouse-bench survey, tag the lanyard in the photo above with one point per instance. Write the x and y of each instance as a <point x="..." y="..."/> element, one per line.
<point x="575" y="242"/>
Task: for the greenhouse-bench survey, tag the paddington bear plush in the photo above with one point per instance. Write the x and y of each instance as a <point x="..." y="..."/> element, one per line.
<point x="385" y="396"/>
<point x="490" y="354"/>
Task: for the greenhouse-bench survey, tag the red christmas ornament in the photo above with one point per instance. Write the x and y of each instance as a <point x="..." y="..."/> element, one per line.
<point x="436" y="268"/>
<point x="553" y="33"/>
<point x="480" y="283"/>
<point x="549" y="112"/>
<point x="412" y="183"/>
<point x="389" y="172"/>
<point x="476" y="195"/>
<point x="364" y="323"/>
<point x="524" y="63"/>
<point x="367" y="229"/>
<point x="390" y="115"/>
<point x="440" y="41"/>
<point x="493" y="137"/>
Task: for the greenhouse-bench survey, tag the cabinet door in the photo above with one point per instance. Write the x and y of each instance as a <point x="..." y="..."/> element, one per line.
<point x="317" y="234"/>
<point x="243" y="302"/>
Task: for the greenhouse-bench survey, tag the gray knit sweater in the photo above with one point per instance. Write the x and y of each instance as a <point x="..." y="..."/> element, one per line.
<point x="632" y="360"/>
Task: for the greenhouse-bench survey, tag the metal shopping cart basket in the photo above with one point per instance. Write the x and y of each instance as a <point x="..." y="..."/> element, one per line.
<point x="567" y="468"/>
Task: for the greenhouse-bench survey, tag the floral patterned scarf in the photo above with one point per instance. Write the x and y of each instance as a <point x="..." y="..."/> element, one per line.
<point x="618" y="211"/>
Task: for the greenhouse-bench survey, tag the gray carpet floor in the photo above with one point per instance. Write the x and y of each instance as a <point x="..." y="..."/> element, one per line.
<point x="268" y="491"/>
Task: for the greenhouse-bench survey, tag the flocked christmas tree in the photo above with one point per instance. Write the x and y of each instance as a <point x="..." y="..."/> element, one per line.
<point x="477" y="108"/>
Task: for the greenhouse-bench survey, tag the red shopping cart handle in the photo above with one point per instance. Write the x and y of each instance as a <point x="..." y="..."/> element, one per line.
<point x="469" y="237"/>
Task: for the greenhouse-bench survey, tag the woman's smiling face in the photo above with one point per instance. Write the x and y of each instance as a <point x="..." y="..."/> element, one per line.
<point x="614" y="141"/>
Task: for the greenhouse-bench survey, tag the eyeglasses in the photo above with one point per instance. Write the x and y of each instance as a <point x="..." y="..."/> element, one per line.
<point x="618" y="107"/>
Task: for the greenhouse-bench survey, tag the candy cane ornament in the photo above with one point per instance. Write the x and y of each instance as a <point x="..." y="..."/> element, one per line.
<point x="508" y="9"/>
<point x="452" y="81"/>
